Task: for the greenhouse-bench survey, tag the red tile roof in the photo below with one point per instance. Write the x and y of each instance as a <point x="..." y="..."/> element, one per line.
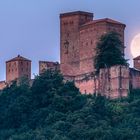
<point x="137" y="58"/>
<point x="18" y="58"/>
<point x="108" y="20"/>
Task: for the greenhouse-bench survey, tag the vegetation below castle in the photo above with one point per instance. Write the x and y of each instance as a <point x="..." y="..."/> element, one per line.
<point x="54" y="110"/>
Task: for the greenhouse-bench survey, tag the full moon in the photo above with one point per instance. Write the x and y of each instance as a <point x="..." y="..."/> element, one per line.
<point x="135" y="46"/>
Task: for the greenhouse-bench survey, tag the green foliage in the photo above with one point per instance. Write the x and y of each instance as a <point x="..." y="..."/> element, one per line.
<point x="54" y="110"/>
<point x="109" y="51"/>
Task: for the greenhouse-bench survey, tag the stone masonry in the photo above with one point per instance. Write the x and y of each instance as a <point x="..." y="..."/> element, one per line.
<point x="79" y="35"/>
<point x="17" y="68"/>
<point x="46" y="65"/>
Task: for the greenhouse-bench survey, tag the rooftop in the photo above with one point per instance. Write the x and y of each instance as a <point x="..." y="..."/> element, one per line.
<point x="137" y="58"/>
<point x="107" y="20"/>
<point x="18" y="58"/>
<point x="76" y="13"/>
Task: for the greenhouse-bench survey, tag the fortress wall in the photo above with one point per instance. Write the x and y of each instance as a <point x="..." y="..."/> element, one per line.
<point x="87" y="83"/>
<point x="86" y="86"/>
<point x="2" y="85"/>
<point x="47" y="65"/>
<point x="114" y="82"/>
<point x="111" y="82"/>
<point x="134" y="79"/>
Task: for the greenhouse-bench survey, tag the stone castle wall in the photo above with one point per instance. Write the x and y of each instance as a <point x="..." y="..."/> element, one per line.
<point x="134" y="78"/>
<point x="46" y="65"/>
<point x="2" y="85"/>
<point x="111" y="82"/>
<point x="114" y="82"/>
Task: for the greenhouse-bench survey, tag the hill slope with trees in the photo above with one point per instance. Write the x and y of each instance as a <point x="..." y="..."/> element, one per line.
<point x="54" y="110"/>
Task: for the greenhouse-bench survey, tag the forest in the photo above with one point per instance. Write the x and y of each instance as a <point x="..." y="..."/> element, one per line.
<point x="52" y="109"/>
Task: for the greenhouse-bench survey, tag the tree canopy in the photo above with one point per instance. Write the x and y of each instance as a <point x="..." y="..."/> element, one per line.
<point x="109" y="51"/>
<point x="55" y="110"/>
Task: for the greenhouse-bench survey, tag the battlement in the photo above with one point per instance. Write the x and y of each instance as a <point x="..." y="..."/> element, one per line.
<point x="48" y="65"/>
<point x="76" y="13"/>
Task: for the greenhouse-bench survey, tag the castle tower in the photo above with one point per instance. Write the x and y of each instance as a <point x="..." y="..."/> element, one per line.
<point x="70" y="24"/>
<point x="136" y="61"/>
<point x="79" y="35"/>
<point x="90" y="33"/>
<point x="18" y="67"/>
<point x="46" y="65"/>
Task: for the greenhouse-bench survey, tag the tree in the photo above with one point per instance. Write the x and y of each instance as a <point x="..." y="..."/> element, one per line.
<point x="109" y="51"/>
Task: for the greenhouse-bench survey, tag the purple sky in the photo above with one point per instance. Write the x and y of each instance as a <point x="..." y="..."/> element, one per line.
<point x="31" y="27"/>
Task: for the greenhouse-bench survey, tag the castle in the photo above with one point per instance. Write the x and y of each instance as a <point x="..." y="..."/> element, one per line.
<point x="79" y="35"/>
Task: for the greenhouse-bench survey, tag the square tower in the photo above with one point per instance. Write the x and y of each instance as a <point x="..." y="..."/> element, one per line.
<point x="90" y="34"/>
<point x="18" y="67"/>
<point x="70" y="40"/>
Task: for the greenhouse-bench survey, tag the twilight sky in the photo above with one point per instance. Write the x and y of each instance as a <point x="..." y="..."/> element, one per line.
<point x="31" y="27"/>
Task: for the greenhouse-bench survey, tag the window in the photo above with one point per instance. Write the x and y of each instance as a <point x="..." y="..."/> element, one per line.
<point x="71" y="22"/>
<point x="65" y="23"/>
<point x="66" y="45"/>
<point x="73" y="47"/>
<point x="68" y="34"/>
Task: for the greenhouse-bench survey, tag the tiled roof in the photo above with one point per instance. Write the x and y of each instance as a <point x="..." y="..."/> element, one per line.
<point x="108" y="20"/>
<point x="18" y="58"/>
<point x="138" y="57"/>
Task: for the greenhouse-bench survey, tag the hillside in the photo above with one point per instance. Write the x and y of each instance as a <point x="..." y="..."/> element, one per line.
<point x="54" y="110"/>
